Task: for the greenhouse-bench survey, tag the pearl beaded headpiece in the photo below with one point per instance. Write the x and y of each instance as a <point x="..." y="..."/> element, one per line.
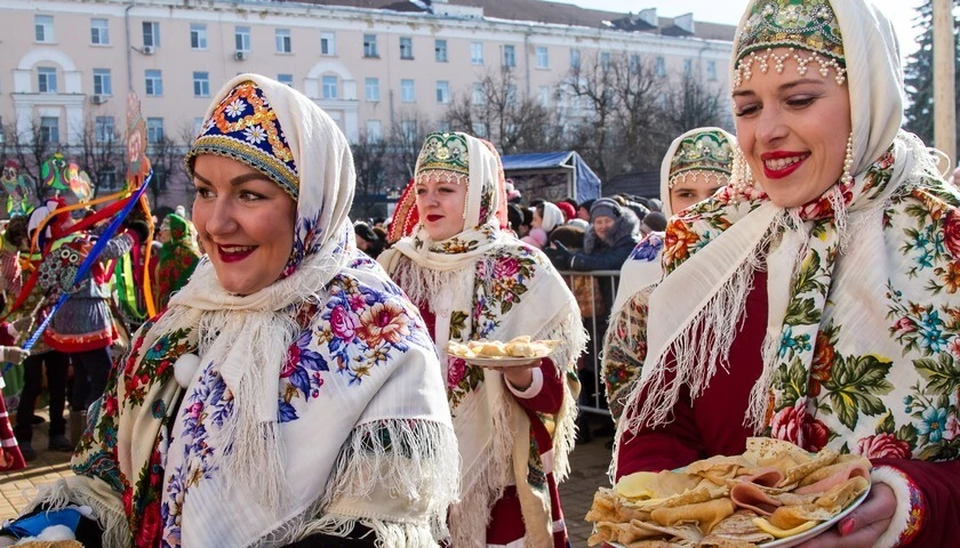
<point x="807" y="28"/>
<point x="706" y="151"/>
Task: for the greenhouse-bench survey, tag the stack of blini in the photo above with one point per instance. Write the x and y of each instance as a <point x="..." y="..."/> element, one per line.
<point x="774" y="490"/>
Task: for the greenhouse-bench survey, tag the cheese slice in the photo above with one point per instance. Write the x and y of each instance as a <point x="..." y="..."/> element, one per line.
<point x="777" y="532"/>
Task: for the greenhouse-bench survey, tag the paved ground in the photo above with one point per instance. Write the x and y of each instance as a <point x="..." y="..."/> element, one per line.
<point x="588" y="471"/>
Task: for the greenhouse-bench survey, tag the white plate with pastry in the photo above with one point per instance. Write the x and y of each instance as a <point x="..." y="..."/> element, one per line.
<point x="515" y="352"/>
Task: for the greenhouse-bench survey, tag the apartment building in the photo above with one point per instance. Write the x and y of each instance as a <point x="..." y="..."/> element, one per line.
<point x="66" y="65"/>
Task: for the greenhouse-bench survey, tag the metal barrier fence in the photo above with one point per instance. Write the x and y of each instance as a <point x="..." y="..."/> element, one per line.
<point x="595" y="292"/>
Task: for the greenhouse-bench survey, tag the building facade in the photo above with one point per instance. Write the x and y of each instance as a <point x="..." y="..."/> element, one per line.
<point x="66" y="66"/>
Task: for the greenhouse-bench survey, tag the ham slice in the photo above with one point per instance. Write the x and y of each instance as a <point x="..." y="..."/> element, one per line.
<point x="837" y="474"/>
<point x="752" y="497"/>
<point x="768" y="476"/>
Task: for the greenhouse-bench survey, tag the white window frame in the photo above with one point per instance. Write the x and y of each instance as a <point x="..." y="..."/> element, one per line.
<point x="198" y="36"/>
<point x="330" y="85"/>
<point x="47" y="80"/>
<point x="201" y="84"/>
<point x="155" y="130"/>
<point x="284" y="40"/>
<point x="574" y="58"/>
<point x="544" y="93"/>
<point x="103" y="79"/>
<point x="406" y="48"/>
<point x="480" y="129"/>
<point x="328" y="43"/>
<point x="153" y="83"/>
<point x="154" y="34"/>
<point x="688" y="67"/>
<point x="440" y="51"/>
<point x="712" y="71"/>
<point x="543" y="57"/>
<point x="104" y="129"/>
<point x="241" y="39"/>
<point x="476" y="53"/>
<point x="509" y="56"/>
<point x="46" y="136"/>
<point x="43" y="29"/>
<point x="370" y="46"/>
<point x="408" y="90"/>
<point x="374" y="131"/>
<point x="443" y="92"/>
<point x="479" y="94"/>
<point x="371" y="88"/>
<point x="99" y="31"/>
<point x="660" y="66"/>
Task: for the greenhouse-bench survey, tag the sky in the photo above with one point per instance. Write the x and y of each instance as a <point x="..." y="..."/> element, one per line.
<point x="901" y="12"/>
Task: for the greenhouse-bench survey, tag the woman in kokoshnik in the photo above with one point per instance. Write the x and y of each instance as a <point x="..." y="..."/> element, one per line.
<point x="473" y="280"/>
<point x="814" y="299"/>
<point x="290" y="393"/>
<point x="697" y="164"/>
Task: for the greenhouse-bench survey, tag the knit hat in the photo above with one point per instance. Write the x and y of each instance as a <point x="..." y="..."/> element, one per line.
<point x="605" y="207"/>
<point x="655" y="222"/>
<point x="244" y="127"/>
<point x="567" y="209"/>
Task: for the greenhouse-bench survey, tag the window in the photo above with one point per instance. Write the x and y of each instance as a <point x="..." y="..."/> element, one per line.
<point x="197" y="125"/>
<point x="476" y="53"/>
<point x="511" y="95"/>
<point x="543" y="93"/>
<point x="154" y="83"/>
<point x="440" y="50"/>
<point x="370" y="45"/>
<point x="284" y="44"/>
<point x="49" y="129"/>
<point x="660" y="67"/>
<point x="409" y="129"/>
<point x="509" y="56"/>
<point x="99" y="32"/>
<point x="711" y="70"/>
<point x="328" y="43"/>
<point x="574" y="58"/>
<point x="241" y="37"/>
<point x="46" y="80"/>
<point x="687" y="67"/>
<point x="198" y="36"/>
<point x="151" y="34"/>
<point x="285" y="79"/>
<point x="374" y="131"/>
<point x="372" y="87"/>
<point x="479" y="94"/>
<point x="443" y="126"/>
<point x="107" y="177"/>
<point x="43" y="28"/>
<point x="635" y="64"/>
<point x="407" y="93"/>
<point x="201" y="84"/>
<point x="543" y="59"/>
<point x="406" y="47"/>
<point x="102" y="82"/>
<point x="154" y="130"/>
<point x="329" y="87"/>
<point x="104" y="129"/>
<point x="480" y="129"/>
<point x="605" y="60"/>
<point x="443" y="92"/>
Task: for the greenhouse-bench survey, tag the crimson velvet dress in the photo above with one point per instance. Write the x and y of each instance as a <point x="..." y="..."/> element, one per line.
<point x="506" y="521"/>
<point x="714" y="426"/>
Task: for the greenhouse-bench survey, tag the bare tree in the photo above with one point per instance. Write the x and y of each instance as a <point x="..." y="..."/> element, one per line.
<point x="370" y="162"/>
<point x="101" y="154"/>
<point x="691" y="104"/>
<point x="166" y="159"/>
<point x="408" y="130"/>
<point x="593" y="86"/>
<point x="31" y="148"/>
<point x="494" y="109"/>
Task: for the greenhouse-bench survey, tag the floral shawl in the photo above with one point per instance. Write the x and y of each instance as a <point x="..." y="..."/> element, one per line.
<point x="309" y="406"/>
<point x="178" y="258"/>
<point x="484" y="283"/>
<point x="862" y="340"/>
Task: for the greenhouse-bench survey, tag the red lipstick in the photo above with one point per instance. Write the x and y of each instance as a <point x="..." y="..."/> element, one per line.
<point x="434" y="218"/>
<point x="781" y="172"/>
<point x="234" y="256"/>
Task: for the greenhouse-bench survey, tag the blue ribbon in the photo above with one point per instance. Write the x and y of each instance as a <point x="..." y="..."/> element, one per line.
<point x="88" y="262"/>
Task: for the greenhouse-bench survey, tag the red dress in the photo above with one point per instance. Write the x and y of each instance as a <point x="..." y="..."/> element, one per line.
<point x="713" y="425"/>
<point x="506" y="520"/>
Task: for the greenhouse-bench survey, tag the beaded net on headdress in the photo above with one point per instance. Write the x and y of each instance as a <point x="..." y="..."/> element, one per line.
<point x="807" y="28"/>
<point x="444" y="158"/>
<point x="245" y="127"/>
<point x="708" y="152"/>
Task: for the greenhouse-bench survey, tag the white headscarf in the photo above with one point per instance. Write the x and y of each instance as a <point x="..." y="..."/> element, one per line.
<point x="552" y="217"/>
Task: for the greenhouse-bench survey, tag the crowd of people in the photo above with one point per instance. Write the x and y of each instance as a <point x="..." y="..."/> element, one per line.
<point x="796" y="279"/>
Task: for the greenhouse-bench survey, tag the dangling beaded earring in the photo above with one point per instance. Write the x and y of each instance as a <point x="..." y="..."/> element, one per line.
<point x="846" y="179"/>
<point x="741" y="176"/>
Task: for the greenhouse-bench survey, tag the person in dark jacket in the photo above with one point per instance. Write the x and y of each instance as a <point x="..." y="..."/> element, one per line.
<point x="614" y="231"/>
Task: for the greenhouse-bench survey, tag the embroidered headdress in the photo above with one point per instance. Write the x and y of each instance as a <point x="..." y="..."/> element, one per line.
<point x="444" y="158"/>
<point x="807" y="25"/>
<point x="244" y="127"/>
<point x="706" y="150"/>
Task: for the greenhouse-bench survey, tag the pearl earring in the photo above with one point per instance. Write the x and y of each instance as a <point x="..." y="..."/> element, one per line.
<point x="847" y="178"/>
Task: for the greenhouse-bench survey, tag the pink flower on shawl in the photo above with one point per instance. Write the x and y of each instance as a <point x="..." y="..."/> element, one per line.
<point x="793" y="424"/>
<point x="904" y="325"/>
<point x="951" y="232"/>
<point x="506" y="267"/>
<point x="343" y="323"/>
<point x="457" y="369"/>
<point x="383" y="322"/>
<point x="883" y="446"/>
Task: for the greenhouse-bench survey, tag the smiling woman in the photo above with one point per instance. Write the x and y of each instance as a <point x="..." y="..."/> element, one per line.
<point x="252" y="410"/>
<point x="808" y="300"/>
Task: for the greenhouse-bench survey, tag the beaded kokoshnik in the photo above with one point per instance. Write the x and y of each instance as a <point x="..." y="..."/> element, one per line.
<point x="708" y="154"/>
